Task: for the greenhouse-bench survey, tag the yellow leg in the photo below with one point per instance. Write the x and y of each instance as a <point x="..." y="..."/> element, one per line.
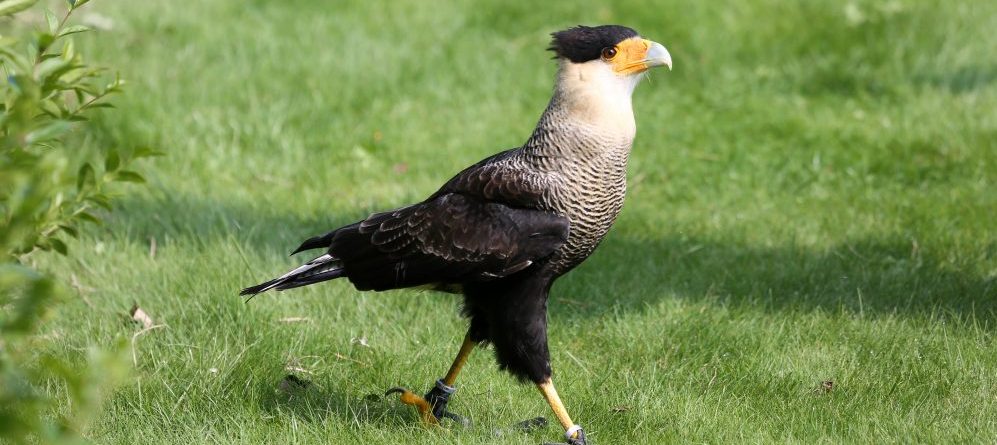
<point x="547" y="388"/>
<point x="439" y="395"/>
<point x="458" y="362"/>
<point x="573" y="432"/>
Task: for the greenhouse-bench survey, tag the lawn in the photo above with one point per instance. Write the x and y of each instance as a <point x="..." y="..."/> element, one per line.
<point x="812" y="199"/>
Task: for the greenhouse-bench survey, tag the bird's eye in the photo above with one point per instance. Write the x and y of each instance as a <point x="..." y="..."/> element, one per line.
<point x="608" y="53"/>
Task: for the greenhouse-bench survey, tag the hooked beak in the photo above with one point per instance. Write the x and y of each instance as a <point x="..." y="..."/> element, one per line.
<point x="657" y="55"/>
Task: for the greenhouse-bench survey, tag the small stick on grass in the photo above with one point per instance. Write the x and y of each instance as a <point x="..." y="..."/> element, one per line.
<point x="135" y="337"/>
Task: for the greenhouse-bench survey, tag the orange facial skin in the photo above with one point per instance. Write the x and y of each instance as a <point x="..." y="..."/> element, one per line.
<point x="630" y="57"/>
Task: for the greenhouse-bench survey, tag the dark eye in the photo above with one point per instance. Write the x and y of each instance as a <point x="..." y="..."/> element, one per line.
<point x="608" y="53"/>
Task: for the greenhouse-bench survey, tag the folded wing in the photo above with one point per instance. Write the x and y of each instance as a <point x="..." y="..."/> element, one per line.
<point x="449" y="239"/>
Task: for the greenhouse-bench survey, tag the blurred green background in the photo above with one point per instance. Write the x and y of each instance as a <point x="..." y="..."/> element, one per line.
<point x="811" y="199"/>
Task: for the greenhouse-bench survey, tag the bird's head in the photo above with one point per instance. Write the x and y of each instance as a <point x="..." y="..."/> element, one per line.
<point x="615" y="47"/>
<point x="600" y="66"/>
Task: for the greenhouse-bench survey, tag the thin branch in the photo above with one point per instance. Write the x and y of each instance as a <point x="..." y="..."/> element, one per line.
<point x="135" y="337"/>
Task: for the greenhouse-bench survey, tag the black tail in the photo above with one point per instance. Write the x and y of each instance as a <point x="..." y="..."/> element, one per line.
<point x="322" y="241"/>
<point x="323" y="268"/>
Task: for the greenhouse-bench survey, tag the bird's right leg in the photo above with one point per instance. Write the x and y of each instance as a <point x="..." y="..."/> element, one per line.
<point x="432" y="407"/>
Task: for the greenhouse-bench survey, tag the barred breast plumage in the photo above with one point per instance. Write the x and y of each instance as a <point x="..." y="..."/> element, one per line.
<point x="583" y="167"/>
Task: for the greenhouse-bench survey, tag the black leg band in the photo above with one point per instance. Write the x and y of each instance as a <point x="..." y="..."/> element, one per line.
<point x="579" y="438"/>
<point x="438" y="397"/>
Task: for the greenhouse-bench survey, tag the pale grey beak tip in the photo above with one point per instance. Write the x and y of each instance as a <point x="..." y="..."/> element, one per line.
<point x="657" y="55"/>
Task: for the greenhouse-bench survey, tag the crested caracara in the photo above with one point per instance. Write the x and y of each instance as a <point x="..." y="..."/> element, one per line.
<point x="501" y="231"/>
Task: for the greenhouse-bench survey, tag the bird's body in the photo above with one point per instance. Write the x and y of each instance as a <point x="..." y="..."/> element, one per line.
<point x="501" y="231"/>
<point x="587" y="165"/>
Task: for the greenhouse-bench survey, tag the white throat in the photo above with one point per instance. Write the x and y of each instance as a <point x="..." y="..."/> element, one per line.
<point x="592" y="93"/>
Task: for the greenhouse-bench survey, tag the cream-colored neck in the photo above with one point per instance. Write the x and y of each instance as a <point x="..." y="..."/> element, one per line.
<point x="593" y="93"/>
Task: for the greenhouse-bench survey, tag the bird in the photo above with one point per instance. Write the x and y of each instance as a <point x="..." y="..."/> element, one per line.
<point x="501" y="231"/>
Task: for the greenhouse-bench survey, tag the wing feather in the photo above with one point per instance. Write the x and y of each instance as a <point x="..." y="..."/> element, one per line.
<point x="489" y="221"/>
<point x="450" y="239"/>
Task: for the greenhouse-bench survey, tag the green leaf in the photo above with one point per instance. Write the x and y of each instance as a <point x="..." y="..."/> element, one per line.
<point x="73" y="30"/>
<point x="7" y="49"/>
<point x="82" y="89"/>
<point x="69" y="50"/>
<point x="53" y="21"/>
<point x="10" y="7"/>
<point x="112" y="162"/>
<point x="84" y="177"/>
<point x="51" y="131"/>
<point x="43" y="40"/>
<point x="58" y="245"/>
<point x="50" y="107"/>
<point x="129" y="176"/>
<point x="100" y="200"/>
<point x="50" y="67"/>
<point x="88" y="217"/>
<point x="70" y="230"/>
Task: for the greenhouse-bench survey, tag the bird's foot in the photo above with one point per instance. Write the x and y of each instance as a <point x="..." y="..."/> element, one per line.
<point x="574" y="436"/>
<point x="433" y="406"/>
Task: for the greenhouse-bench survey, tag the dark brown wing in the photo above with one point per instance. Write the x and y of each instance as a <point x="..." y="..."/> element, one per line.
<point x="497" y="183"/>
<point x="491" y="180"/>
<point x="451" y="238"/>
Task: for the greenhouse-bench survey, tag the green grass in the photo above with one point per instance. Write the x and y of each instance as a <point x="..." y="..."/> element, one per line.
<point x="812" y="198"/>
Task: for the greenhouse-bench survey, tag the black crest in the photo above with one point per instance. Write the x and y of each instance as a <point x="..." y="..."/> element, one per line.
<point x="584" y="43"/>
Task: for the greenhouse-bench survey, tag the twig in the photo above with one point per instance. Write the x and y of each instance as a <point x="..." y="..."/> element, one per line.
<point x="74" y="281"/>
<point x="712" y="379"/>
<point x="579" y="362"/>
<point x="573" y="302"/>
<point x="135" y="337"/>
<point x="343" y="357"/>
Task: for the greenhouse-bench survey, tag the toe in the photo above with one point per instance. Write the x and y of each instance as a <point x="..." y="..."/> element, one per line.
<point x="410" y="398"/>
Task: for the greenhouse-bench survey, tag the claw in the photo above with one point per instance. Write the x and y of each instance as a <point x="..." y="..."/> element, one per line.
<point x="575" y="437"/>
<point x="464" y="421"/>
<point x="433" y="406"/>
<point x="410" y="398"/>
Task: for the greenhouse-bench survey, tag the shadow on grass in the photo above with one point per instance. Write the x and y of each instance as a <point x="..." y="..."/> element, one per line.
<point x="257" y="229"/>
<point x="966" y="79"/>
<point x="314" y="402"/>
<point x="868" y="276"/>
<point x="285" y="396"/>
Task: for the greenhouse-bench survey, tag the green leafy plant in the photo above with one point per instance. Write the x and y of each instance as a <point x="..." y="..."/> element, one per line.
<point x="50" y="184"/>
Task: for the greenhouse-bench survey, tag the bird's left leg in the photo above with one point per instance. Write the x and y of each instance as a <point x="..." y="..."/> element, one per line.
<point x="432" y="407"/>
<point x="572" y="433"/>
